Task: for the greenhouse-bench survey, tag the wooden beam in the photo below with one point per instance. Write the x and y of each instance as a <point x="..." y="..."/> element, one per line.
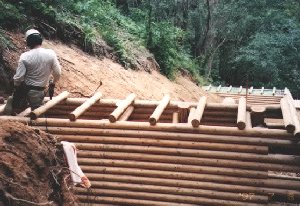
<point x="274" y="91"/>
<point x="199" y="112"/>
<point x="191" y="115"/>
<point x="159" y="110"/>
<point x="216" y="130"/>
<point x="85" y="106"/>
<point x="242" y="114"/>
<point x="175" y="118"/>
<point x="287" y="115"/>
<point x="122" y="106"/>
<point x="50" y="104"/>
<point x="250" y="90"/>
<point x="208" y="88"/>
<point x="229" y="88"/>
<point x="128" y="112"/>
<point x="262" y="90"/>
<point x="240" y="89"/>
<point x="219" y="88"/>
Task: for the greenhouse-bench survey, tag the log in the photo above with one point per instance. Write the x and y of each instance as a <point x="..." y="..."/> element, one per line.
<point x="50" y="104"/>
<point x="172" y="136"/>
<point x="85" y="106"/>
<point x="242" y="114"/>
<point x="159" y="127"/>
<point x="199" y="112"/>
<point x="168" y="143"/>
<point x="175" y="118"/>
<point x="248" y="121"/>
<point x="166" y="181"/>
<point x="25" y="113"/>
<point x="191" y="115"/>
<point x="120" y="195"/>
<point x="240" y="89"/>
<point x="178" y="191"/>
<point x="294" y="114"/>
<point x="278" y="159"/>
<point x="262" y="90"/>
<point x="274" y="91"/>
<point x="114" y="116"/>
<point x="199" y="178"/>
<point x="250" y="90"/>
<point x="173" y="167"/>
<point x="116" y="201"/>
<point x="229" y="89"/>
<point x="188" y="161"/>
<point x="126" y="115"/>
<point x="159" y="110"/>
<point x="287" y="115"/>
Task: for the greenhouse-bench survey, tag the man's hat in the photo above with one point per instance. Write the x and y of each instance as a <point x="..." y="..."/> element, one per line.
<point x="30" y="32"/>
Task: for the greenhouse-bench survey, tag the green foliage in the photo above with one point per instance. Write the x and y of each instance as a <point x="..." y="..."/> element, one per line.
<point x="9" y="15"/>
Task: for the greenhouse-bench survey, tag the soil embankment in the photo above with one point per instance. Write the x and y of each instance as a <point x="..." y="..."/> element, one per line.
<point x="32" y="168"/>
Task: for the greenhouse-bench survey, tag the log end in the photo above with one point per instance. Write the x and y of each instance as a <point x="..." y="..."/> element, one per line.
<point x="152" y="121"/>
<point x="33" y="116"/>
<point x="195" y="123"/>
<point x="71" y="117"/>
<point x="241" y="125"/>
<point x="290" y="128"/>
<point x="112" y="118"/>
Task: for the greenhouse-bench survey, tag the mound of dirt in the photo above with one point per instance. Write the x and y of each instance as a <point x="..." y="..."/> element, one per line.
<point x="31" y="168"/>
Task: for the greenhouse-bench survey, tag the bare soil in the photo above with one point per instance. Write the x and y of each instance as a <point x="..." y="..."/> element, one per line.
<point x="82" y="74"/>
<point x="31" y="168"/>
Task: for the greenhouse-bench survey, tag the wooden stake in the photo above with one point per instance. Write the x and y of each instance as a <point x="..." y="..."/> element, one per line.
<point x="159" y="110"/>
<point x="125" y="116"/>
<point x="191" y="115"/>
<point x="114" y="116"/>
<point x="287" y="115"/>
<point x="175" y="118"/>
<point x="199" y="112"/>
<point x="85" y="106"/>
<point x="242" y="114"/>
<point x="44" y="108"/>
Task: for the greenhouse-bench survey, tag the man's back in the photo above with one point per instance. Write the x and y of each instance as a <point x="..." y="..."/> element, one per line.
<point x="38" y="64"/>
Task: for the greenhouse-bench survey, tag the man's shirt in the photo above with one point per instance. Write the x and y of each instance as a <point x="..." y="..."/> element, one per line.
<point x="36" y="66"/>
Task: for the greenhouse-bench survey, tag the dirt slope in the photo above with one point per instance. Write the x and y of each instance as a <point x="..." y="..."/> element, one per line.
<point x="81" y="75"/>
<point x="27" y="177"/>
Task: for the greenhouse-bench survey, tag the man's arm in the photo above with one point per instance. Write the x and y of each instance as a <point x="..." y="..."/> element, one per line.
<point x="56" y="69"/>
<point x="20" y="73"/>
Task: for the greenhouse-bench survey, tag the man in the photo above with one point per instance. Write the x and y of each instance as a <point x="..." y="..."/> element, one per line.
<point x="33" y="73"/>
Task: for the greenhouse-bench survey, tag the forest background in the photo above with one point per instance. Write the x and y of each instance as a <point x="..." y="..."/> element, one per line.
<point x="240" y="43"/>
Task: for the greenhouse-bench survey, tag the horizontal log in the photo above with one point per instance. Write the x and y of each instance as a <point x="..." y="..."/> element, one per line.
<point x="271" y="158"/>
<point x="170" y="136"/>
<point x="187" y="192"/>
<point x="166" y="143"/>
<point x="147" y="103"/>
<point x="162" y="197"/>
<point x="99" y="200"/>
<point x="184" y="184"/>
<point x="198" y="178"/>
<point x="174" y="167"/>
<point x="188" y="161"/>
<point x="159" y="127"/>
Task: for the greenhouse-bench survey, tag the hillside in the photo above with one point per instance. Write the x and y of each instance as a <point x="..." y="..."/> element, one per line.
<point x="82" y="73"/>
